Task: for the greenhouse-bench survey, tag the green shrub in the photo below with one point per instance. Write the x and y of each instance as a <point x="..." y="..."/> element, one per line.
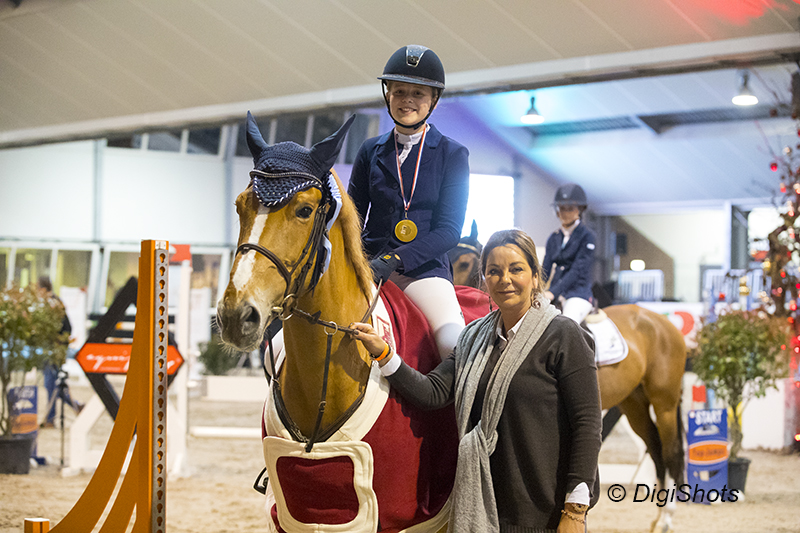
<point x="740" y="356"/>
<point x="217" y="359"/>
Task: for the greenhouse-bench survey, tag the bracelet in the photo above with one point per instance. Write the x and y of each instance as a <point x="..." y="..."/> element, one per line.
<point x="573" y="516"/>
<point x="386" y="351"/>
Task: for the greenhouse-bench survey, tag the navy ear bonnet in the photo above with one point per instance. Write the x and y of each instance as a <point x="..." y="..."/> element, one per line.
<point x="284" y="169"/>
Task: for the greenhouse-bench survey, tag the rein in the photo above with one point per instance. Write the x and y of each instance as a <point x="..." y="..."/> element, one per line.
<point x="288" y="308"/>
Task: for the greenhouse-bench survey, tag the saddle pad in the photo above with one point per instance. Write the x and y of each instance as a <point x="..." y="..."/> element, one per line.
<point x="609" y="346"/>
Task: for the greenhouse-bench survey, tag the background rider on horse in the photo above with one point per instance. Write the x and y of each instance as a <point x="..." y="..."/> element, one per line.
<point x="569" y="255"/>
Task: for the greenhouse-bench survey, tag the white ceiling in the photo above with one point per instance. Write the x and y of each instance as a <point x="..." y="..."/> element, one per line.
<point x="83" y="68"/>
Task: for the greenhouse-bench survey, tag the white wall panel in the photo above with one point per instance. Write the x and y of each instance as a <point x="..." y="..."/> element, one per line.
<point x="46" y="191"/>
<point x="691" y="239"/>
<point x="162" y="196"/>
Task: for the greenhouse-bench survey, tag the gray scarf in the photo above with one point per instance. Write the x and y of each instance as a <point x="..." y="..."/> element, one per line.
<point x="473" y="503"/>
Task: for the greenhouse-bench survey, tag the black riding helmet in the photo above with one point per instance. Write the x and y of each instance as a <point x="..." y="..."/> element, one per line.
<point x="570" y="194"/>
<point x="418" y="65"/>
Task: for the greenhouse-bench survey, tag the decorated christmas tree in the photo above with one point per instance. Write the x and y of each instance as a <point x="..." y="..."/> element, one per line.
<point x="783" y="256"/>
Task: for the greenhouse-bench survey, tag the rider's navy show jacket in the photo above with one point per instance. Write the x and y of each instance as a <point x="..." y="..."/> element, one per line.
<point x="573" y="273"/>
<point x="437" y="208"/>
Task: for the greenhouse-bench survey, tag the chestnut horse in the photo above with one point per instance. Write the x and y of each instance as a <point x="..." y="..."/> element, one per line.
<point x="650" y="375"/>
<point x="300" y="259"/>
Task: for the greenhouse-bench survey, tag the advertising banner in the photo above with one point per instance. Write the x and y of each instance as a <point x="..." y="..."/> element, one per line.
<point x="707" y="465"/>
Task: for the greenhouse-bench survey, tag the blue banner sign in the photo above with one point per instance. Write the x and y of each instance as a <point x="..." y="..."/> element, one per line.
<point x="707" y="466"/>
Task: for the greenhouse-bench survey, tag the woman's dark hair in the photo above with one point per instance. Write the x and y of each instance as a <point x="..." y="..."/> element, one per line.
<point x="521" y="240"/>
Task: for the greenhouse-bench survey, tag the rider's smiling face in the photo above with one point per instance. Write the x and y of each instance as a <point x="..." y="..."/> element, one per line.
<point x="409" y="102"/>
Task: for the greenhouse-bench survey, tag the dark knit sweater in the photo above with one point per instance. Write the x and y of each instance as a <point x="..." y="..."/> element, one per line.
<point x="549" y="431"/>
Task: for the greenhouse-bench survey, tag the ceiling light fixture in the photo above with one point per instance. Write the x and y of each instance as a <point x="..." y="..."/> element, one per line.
<point x="532" y="116"/>
<point x="744" y="96"/>
<point x="637" y="265"/>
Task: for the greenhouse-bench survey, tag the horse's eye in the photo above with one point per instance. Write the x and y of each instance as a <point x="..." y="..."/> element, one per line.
<point x="304" y="212"/>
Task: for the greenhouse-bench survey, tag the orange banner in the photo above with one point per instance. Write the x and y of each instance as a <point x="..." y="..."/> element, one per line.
<point x="102" y="358"/>
<point x="708" y="452"/>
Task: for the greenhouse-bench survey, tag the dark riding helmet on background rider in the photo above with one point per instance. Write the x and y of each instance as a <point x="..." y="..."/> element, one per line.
<point x="570" y="194"/>
<point x="418" y="65"/>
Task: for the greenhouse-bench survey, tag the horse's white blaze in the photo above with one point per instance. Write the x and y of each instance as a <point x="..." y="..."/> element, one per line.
<point x="248" y="260"/>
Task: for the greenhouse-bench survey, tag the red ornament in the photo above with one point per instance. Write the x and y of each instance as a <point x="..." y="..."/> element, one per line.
<point x="773" y="166"/>
<point x="783" y="187"/>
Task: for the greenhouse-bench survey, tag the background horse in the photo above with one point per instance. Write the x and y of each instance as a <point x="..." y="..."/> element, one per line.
<point x="650" y="375"/>
<point x="465" y="260"/>
<point x="340" y="447"/>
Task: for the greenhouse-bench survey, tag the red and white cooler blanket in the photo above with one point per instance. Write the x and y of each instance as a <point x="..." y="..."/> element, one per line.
<point x="389" y="468"/>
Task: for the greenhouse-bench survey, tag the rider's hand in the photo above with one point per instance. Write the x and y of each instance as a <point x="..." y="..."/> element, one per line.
<point x="374" y="344"/>
<point x="384" y="265"/>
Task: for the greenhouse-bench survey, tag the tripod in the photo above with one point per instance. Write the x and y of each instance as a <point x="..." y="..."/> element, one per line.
<point x="61" y="391"/>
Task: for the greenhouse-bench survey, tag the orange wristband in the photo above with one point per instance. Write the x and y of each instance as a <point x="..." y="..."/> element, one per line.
<point x="386" y="351"/>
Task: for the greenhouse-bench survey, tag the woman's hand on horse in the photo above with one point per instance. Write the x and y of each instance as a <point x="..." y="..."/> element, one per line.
<point x="369" y="338"/>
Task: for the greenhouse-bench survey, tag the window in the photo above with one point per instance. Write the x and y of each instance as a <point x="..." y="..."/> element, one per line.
<point x="363" y="128"/>
<point x="126" y="141"/>
<point x="326" y="124"/>
<point x="30" y="264"/>
<point x="491" y="204"/>
<point x="203" y="141"/>
<point x="5" y="255"/>
<point x="121" y="267"/>
<point x="292" y="129"/>
<point x="165" y="141"/>
<point x="72" y="269"/>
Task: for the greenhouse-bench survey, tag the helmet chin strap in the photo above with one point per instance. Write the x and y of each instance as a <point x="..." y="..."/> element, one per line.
<point x="418" y="124"/>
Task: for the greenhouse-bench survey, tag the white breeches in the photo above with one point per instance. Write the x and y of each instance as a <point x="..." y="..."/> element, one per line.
<point x="576" y="309"/>
<point x="436" y="298"/>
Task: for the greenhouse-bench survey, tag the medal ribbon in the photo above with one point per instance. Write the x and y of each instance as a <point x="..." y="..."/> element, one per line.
<point x="407" y="204"/>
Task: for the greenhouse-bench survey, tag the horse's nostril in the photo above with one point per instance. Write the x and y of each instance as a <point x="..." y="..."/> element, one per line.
<point x="250" y="317"/>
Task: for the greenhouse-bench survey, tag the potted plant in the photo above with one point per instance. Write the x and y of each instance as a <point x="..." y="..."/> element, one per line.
<point x="30" y="337"/>
<point x="740" y="356"/>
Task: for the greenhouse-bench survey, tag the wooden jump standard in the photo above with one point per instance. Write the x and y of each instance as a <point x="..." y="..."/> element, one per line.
<point x="141" y="420"/>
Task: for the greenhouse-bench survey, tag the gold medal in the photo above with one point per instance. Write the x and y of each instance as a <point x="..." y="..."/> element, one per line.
<point x="405" y="230"/>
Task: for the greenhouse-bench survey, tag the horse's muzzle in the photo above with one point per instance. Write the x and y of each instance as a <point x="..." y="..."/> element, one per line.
<point x="240" y="326"/>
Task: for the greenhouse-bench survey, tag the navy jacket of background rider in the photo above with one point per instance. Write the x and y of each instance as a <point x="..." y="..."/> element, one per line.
<point x="573" y="274"/>
<point x="437" y="208"/>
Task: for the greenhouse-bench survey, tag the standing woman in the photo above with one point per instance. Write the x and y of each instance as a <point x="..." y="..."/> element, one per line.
<point x="410" y="187"/>
<point x="527" y="403"/>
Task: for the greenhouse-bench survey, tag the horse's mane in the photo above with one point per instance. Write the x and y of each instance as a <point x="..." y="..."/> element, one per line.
<point x="353" y="247"/>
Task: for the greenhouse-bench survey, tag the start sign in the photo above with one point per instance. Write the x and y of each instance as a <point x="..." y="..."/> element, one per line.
<point x="105" y="358"/>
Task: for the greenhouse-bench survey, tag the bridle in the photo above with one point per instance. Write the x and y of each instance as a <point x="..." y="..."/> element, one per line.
<point x="312" y="259"/>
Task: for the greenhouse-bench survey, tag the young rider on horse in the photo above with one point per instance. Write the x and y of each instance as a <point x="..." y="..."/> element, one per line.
<point x="569" y="255"/>
<point x="410" y="186"/>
